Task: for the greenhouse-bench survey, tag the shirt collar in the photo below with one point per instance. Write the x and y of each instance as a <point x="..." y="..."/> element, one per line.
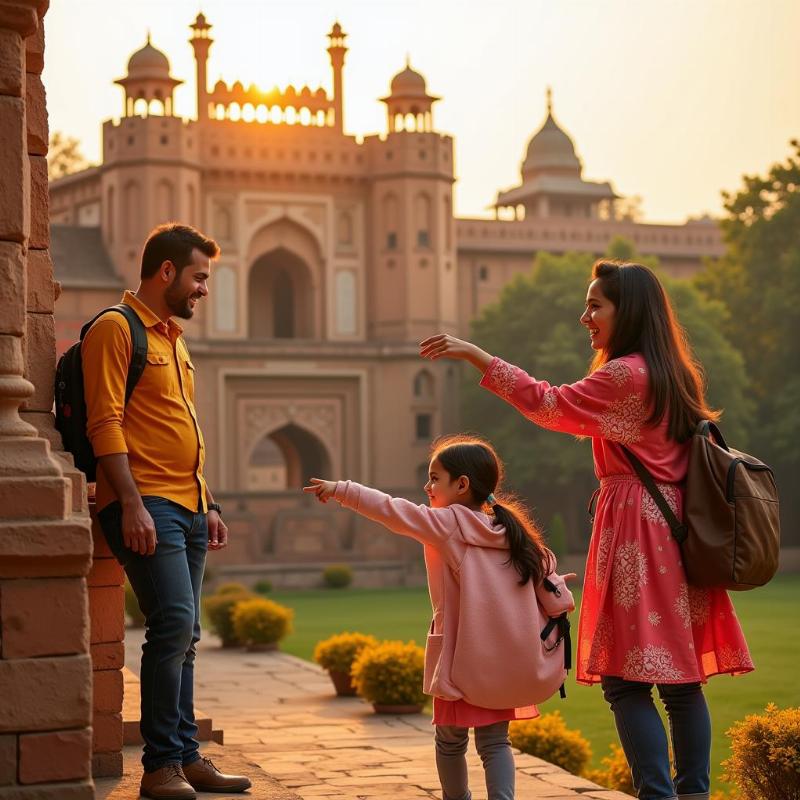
<point x="146" y="314"/>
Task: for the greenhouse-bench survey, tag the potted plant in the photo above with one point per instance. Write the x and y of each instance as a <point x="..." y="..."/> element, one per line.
<point x="389" y="676"/>
<point x="260" y="624"/>
<point x="337" y="653"/>
<point x="219" y="609"/>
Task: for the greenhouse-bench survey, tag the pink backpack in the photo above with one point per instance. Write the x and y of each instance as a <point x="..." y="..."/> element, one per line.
<point x="527" y="668"/>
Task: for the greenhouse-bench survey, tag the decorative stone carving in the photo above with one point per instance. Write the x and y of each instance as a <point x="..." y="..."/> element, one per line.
<point x="262" y="416"/>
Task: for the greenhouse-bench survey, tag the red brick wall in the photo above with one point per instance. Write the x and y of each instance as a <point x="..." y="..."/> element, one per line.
<point x="107" y="604"/>
<point x="45" y="539"/>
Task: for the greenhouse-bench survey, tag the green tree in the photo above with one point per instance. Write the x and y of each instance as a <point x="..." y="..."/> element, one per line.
<point x="534" y="324"/>
<point x="64" y="156"/>
<point x="758" y="279"/>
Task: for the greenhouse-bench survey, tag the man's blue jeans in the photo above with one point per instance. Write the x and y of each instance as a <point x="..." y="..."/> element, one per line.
<point x="167" y="585"/>
<point x="644" y="740"/>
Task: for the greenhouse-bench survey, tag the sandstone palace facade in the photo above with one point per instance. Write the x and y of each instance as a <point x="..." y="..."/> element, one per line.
<point x="338" y="255"/>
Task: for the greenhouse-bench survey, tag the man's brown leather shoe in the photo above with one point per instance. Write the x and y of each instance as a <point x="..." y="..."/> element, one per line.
<point x="205" y="777"/>
<point x="167" y="783"/>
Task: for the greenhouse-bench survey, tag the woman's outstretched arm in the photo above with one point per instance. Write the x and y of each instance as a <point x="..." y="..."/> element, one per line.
<point x="610" y="403"/>
<point x="443" y="345"/>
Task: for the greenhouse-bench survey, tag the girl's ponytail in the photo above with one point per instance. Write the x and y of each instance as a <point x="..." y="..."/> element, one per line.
<point x="528" y="554"/>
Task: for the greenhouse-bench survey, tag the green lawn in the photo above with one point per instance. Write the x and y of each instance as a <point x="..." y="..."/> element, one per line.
<point x="770" y="617"/>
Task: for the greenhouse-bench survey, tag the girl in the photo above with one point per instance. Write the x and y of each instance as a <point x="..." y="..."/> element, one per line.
<point x="488" y="573"/>
<point x="640" y="623"/>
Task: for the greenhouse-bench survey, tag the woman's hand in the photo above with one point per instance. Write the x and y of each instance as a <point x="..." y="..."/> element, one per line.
<point x="322" y="489"/>
<point x="443" y="345"/>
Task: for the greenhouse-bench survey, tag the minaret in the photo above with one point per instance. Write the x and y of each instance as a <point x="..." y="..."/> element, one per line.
<point x="201" y="42"/>
<point x="337" y="51"/>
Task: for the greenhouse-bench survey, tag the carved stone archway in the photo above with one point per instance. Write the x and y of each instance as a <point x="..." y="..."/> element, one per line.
<point x="285" y="283"/>
<point x="307" y="432"/>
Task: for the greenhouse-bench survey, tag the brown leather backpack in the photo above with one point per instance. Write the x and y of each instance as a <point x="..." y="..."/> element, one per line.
<point x="731" y="534"/>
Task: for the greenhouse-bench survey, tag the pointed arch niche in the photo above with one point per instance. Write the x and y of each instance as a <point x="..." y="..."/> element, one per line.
<point x="283" y="459"/>
<point x="284" y="284"/>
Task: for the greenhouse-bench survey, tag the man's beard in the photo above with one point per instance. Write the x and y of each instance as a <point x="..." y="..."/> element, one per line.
<point x="177" y="301"/>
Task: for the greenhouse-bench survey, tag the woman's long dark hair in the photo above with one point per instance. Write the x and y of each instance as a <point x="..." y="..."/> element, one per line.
<point x="645" y="323"/>
<point x="476" y="459"/>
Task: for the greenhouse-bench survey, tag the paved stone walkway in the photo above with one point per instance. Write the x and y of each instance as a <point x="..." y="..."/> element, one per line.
<point x="282" y="714"/>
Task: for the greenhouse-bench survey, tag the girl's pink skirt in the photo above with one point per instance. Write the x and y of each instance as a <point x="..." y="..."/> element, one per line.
<point x="462" y="714"/>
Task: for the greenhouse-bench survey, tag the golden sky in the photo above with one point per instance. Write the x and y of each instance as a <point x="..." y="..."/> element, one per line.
<point x="669" y="99"/>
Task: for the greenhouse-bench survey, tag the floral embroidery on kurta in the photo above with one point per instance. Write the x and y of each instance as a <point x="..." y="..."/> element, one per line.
<point x="503" y="377"/>
<point x="629" y="575"/>
<point x="619" y="371"/>
<point x="734" y="659"/>
<point x="651" y="512"/>
<point x="639" y="619"/>
<point x="603" y="549"/>
<point x="548" y="412"/>
<point x="623" y="420"/>
<point x="651" y="663"/>
<point x="603" y="642"/>
<point x="692" y="605"/>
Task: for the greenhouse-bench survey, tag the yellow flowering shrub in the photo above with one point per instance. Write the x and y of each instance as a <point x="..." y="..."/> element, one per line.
<point x="261" y="621"/>
<point x="338" y="652"/>
<point x="231" y="587"/>
<point x="390" y="673"/>
<point x="616" y="773"/>
<point x="549" y="738"/>
<point x="219" y="611"/>
<point x="765" y="755"/>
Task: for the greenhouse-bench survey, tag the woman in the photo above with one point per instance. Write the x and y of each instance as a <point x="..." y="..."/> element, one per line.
<point x="640" y="623"/>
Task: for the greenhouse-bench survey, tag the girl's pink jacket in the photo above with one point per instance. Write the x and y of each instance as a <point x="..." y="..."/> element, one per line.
<point x="484" y="643"/>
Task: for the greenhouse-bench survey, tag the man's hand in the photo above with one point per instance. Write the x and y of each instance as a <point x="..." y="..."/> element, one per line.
<point x="217" y="531"/>
<point x="138" y="529"/>
<point x="443" y="345"/>
<point x="322" y="489"/>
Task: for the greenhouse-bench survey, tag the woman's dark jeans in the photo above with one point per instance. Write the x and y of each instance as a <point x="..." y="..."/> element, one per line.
<point x="644" y="740"/>
<point x="167" y="585"/>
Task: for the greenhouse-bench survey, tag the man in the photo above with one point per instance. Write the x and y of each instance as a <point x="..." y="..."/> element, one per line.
<point x="157" y="513"/>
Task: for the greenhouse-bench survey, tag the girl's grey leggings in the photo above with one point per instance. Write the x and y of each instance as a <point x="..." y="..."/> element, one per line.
<point x="493" y="747"/>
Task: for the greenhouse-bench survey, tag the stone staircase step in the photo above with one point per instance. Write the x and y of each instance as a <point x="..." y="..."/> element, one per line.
<point x="131" y="714"/>
<point x="227" y="759"/>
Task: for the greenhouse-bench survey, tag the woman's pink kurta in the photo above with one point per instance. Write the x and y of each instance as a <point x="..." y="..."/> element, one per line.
<point x="639" y="619"/>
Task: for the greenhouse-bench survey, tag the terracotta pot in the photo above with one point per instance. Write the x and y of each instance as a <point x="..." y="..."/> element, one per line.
<point x="409" y="708"/>
<point x="342" y="682"/>
<point x="262" y="647"/>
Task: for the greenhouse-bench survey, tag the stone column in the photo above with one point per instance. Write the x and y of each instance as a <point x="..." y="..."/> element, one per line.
<point x="45" y="539"/>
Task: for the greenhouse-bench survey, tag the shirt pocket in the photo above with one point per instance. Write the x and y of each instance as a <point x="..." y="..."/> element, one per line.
<point x="188" y="377"/>
<point x="159" y="373"/>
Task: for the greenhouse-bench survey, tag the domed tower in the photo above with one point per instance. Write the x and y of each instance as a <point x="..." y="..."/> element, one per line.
<point x="148" y="80"/>
<point x="151" y="164"/>
<point x="409" y="107"/>
<point x="551" y="172"/>
<point x="413" y="285"/>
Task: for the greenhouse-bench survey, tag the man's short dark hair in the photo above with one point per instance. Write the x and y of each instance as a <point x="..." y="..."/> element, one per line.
<point x="174" y="242"/>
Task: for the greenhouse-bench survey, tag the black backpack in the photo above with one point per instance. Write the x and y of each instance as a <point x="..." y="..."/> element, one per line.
<point x="69" y="396"/>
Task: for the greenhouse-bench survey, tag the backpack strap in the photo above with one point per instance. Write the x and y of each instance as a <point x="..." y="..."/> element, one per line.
<point x="708" y="429"/>
<point x="138" y="343"/>
<point x="679" y="529"/>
